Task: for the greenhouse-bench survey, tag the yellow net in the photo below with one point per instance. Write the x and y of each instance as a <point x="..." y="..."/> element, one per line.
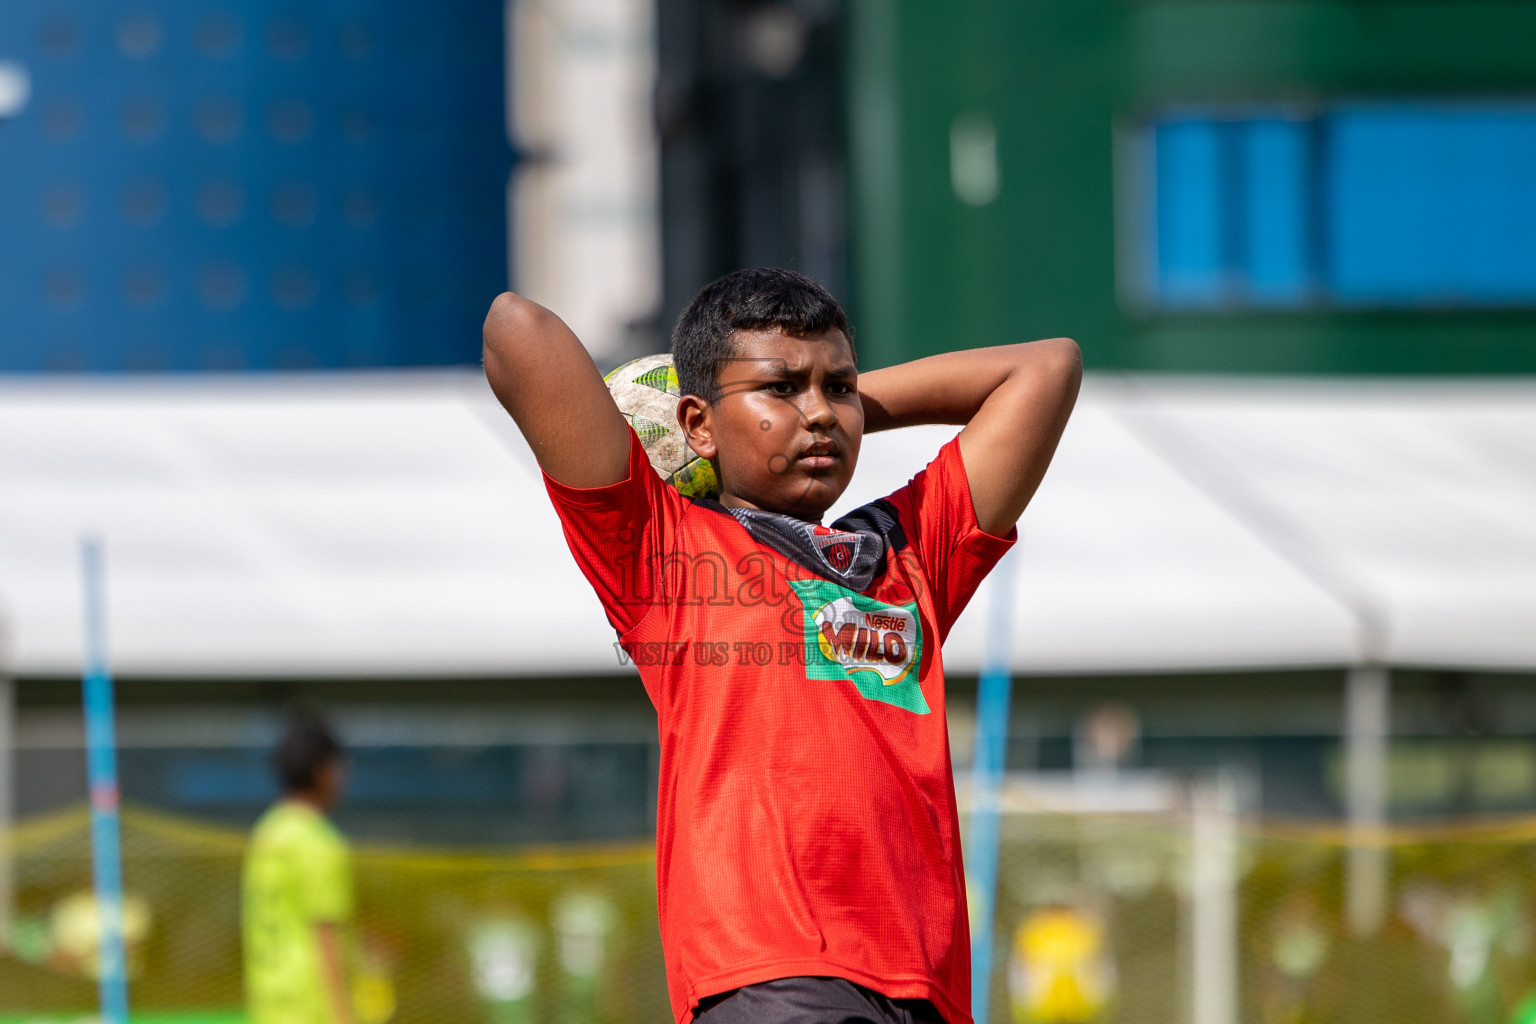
<point x="536" y="935"/>
<point x="1101" y="918"/>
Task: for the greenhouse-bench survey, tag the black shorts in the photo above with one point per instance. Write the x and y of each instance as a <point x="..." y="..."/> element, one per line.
<point x="812" y="1001"/>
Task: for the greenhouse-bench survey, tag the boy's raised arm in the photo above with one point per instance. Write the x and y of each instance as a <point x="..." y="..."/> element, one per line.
<point x="548" y="382"/>
<point x="1014" y="401"/>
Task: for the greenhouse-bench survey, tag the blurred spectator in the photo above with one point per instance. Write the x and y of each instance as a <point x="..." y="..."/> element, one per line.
<point x="297" y="889"/>
<point x="1060" y="971"/>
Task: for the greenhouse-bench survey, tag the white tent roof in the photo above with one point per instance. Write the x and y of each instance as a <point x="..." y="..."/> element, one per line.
<point x="396" y="524"/>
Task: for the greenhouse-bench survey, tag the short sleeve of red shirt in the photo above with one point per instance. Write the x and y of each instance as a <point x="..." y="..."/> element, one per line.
<point x="619" y="535"/>
<point x="940" y="522"/>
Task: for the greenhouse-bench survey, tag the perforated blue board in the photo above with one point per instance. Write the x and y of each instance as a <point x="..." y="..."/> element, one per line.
<point x="200" y="185"/>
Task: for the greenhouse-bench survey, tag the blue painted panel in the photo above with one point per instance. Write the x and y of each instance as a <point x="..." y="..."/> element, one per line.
<point x="1407" y="205"/>
<point x="236" y="185"/>
<point x="1432" y="206"/>
<point x="1276" y="210"/>
<point x="1189" y="212"/>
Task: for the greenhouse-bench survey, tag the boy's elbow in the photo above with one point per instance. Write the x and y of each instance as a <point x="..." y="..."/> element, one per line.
<point x="504" y="308"/>
<point x="1065" y="350"/>
<point x="1060" y="358"/>
<point x="512" y="321"/>
<point x="510" y="313"/>
<point x="1071" y="357"/>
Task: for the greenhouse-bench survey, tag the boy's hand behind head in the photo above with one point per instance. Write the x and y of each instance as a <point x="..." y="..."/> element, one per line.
<point x="785" y="431"/>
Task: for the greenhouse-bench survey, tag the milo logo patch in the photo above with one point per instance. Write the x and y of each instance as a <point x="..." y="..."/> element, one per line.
<point x="877" y="647"/>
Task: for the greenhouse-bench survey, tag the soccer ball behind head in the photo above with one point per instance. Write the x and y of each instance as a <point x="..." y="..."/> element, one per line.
<point x="646" y="392"/>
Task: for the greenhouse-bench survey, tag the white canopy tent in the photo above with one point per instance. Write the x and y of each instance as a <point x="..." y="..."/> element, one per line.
<point x="1407" y="508"/>
<point x="395" y="524"/>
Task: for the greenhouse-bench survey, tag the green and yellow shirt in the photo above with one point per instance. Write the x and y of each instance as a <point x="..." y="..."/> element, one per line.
<point x="297" y="875"/>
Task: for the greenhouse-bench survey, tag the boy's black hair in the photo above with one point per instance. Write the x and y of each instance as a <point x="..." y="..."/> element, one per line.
<point x="764" y="299"/>
<point x="307" y="746"/>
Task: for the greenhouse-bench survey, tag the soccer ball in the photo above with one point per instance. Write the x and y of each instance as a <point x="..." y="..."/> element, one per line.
<point x="646" y="392"/>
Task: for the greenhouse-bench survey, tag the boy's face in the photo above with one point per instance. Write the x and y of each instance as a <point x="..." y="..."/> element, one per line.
<point x="785" y="433"/>
<point x="330" y="781"/>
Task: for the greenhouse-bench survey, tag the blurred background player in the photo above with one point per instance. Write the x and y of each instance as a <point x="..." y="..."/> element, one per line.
<point x="297" y="891"/>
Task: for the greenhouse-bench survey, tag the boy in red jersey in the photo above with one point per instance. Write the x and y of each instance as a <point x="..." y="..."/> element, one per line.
<point x="807" y="848"/>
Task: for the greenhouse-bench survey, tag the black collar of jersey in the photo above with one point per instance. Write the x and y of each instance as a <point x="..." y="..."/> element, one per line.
<point x="852" y="554"/>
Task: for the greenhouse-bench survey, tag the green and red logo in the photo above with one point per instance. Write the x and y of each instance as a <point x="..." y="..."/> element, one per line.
<point x="877" y="647"/>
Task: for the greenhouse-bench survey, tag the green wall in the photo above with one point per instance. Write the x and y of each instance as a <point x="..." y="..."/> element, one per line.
<point x="1062" y="80"/>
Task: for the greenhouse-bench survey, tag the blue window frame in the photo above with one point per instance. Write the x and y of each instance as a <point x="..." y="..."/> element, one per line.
<point x="1363" y="205"/>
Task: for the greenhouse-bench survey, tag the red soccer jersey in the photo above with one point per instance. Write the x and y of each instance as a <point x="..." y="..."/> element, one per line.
<point x="806" y="820"/>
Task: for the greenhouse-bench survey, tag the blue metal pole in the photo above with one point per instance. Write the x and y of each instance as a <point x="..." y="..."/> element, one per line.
<point x="987" y="782"/>
<point x="101" y="773"/>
